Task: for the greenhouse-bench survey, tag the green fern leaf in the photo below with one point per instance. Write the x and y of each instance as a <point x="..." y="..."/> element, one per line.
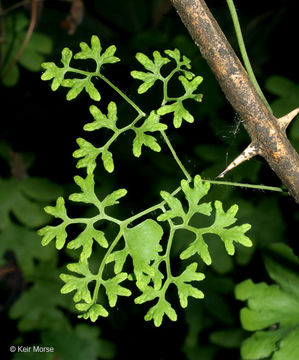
<point x="88" y="153"/>
<point x="176" y="55"/>
<point x="112" y="199"/>
<point x="149" y="78"/>
<point x="176" y="208"/>
<point x="185" y="290"/>
<point x="88" y="52"/>
<point x="153" y="66"/>
<point x="51" y="232"/>
<point x="143" y="139"/>
<point x="94" y="52"/>
<point x="193" y="196"/>
<point x="87" y="187"/>
<point x="143" y="244"/>
<point x="59" y="232"/>
<point x="151" y="124"/>
<point x="151" y="262"/>
<point x="58" y="211"/>
<point x="119" y="258"/>
<point x="80" y="284"/>
<point x="107" y="159"/>
<point x="148" y="294"/>
<point x="157" y="312"/>
<point x="234" y="234"/>
<point x="85" y="239"/>
<point x="101" y="120"/>
<point x="191" y="86"/>
<point x="56" y="73"/>
<point x="91" y="312"/>
<point x="220" y="227"/>
<point x="77" y="85"/>
<point x="113" y="289"/>
<point x="200" y="247"/>
<point x="179" y="113"/>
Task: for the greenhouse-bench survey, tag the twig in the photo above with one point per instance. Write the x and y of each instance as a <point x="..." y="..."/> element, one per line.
<point x="264" y="129"/>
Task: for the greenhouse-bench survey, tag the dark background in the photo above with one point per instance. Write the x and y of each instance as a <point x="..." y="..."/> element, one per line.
<point x="42" y="126"/>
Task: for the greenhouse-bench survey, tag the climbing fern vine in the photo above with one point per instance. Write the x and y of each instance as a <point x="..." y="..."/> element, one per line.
<point x="148" y="244"/>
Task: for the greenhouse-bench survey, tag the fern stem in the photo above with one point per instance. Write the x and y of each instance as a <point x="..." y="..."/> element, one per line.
<point x="122" y="94"/>
<point x="114" y="87"/>
<point x="243" y="50"/>
<point x="144" y="212"/>
<point x="173" y="152"/>
<point x="165" y="137"/>
<point x="214" y="182"/>
<point x="165" y="84"/>
<point x="120" y="131"/>
<point x="103" y="263"/>
<point x="244" y="185"/>
<point x="167" y="253"/>
<point x="153" y="208"/>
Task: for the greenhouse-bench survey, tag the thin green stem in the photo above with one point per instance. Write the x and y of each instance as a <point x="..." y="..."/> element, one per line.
<point x="165" y="84"/>
<point x="178" y="161"/>
<point x="165" y="137"/>
<point x="167" y="253"/>
<point x="144" y="212"/>
<point x="120" y="131"/>
<point x="251" y="186"/>
<point x="122" y="94"/>
<point x="114" y="87"/>
<point x="214" y="182"/>
<point x="103" y="263"/>
<point x="243" y="51"/>
<point x="152" y="208"/>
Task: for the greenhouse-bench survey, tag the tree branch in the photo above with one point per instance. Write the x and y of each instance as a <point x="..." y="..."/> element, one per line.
<point x="265" y="131"/>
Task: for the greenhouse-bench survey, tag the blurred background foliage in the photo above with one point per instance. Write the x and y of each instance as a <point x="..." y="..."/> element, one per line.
<point x="38" y="129"/>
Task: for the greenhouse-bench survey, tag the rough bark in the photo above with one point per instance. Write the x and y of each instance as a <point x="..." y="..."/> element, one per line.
<point x="267" y="133"/>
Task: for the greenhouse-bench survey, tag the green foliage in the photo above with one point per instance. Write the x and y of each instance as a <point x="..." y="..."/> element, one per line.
<point x="22" y="241"/>
<point x="219" y="227"/>
<point x="83" y="342"/>
<point x="40" y="305"/>
<point x="77" y="85"/>
<point x="19" y="198"/>
<point x="37" y="48"/>
<point x="149" y="78"/>
<point x="30" y="273"/>
<point x="148" y="244"/>
<point x="151" y="124"/>
<point x="24" y="199"/>
<point x="154" y="68"/>
<point x="272" y="310"/>
<point x="79" y="343"/>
